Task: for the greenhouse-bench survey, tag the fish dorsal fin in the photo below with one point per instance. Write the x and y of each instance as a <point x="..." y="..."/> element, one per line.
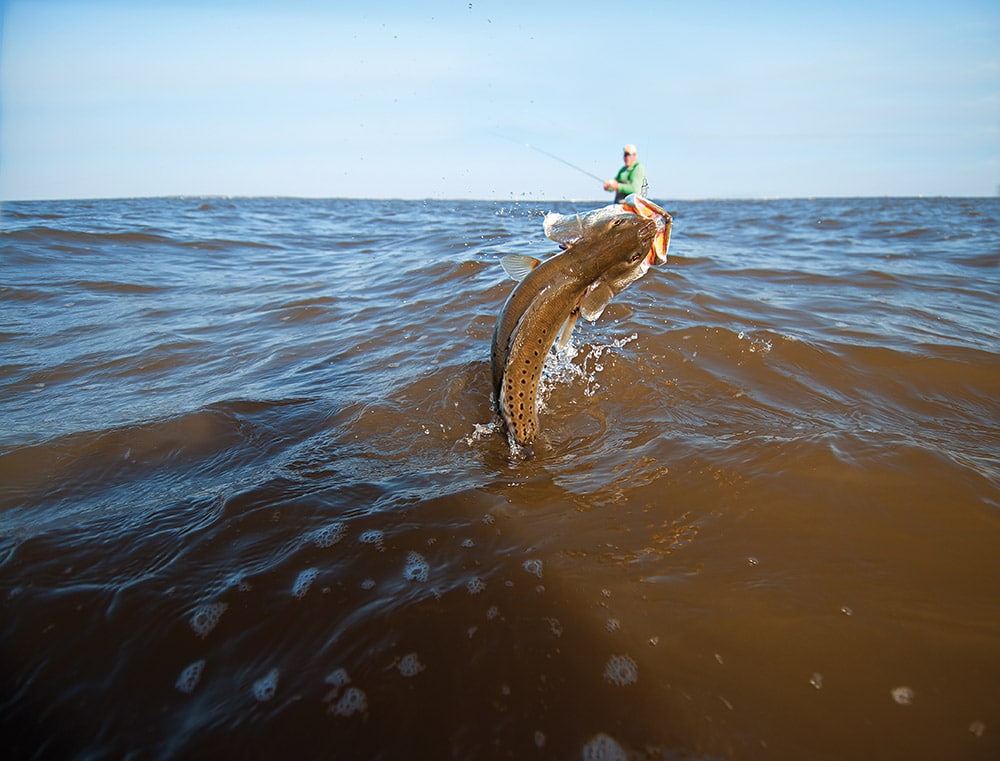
<point x="597" y="297"/>
<point x="517" y="266"/>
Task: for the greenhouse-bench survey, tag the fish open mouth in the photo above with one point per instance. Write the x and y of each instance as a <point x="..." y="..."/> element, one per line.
<point x="661" y="240"/>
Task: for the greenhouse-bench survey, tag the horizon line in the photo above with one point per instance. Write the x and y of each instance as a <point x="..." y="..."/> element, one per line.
<point x="282" y="196"/>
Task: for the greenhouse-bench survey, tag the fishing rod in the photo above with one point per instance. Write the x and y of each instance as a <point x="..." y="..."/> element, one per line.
<point x="557" y="158"/>
<point x="645" y="183"/>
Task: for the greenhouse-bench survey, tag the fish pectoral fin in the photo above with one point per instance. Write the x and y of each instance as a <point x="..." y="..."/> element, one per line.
<point x="517" y="266"/>
<point x="567" y="329"/>
<point x="595" y="300"/>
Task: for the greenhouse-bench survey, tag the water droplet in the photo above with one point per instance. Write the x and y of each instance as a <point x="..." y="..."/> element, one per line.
<point x="190" y="677"/>
<point x="603" y="747"/>
<point x="621" y="670"/>
<point x="265" y="687"/>
<point x="410" y="665"/>
<point x="206" y="617"/>
<point x="338" y="678"/>
<point x="416" y="567"/>
<point x="329" y="535"/>
<point x="817" y="681"/>
<point x="534" y="567"/>
<point x="303" y="581"/>
<point x="903" y="695"/>
<point x="351" y="702"/>
<point x="373" y="536"/>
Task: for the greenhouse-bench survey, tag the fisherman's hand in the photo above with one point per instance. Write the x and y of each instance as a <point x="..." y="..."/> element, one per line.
<point x="611" y="185"/>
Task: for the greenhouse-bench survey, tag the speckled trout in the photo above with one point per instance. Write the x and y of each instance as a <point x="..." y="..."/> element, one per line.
<point x="608" y="255"/>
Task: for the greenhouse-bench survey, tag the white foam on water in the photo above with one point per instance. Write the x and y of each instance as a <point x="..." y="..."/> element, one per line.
<point x="475" y="585"/>
<point x="613" y="625"/>
<point x="603" y="747"/>
<point x="206" y="617"/>
<point x="190" y="677"/>
<point x="539" y="739"/>
<point x="338" y="678"/>
<point x="329" y="535"/>
<point x="368" y="584"/>
<point x="351" y="702"/>
<point x="903" y="695"/>
<point x="265" y="687"/>
<point x="492" y="613"/>
<point x="410" y="665"/>
<point x="416" y="568"/>
<point x="303" y="581"/>
<point x="621" y="670"/>
<point x="816" y="680"/>
<point x="533" y="566"/>
<point x="373" y="536"/>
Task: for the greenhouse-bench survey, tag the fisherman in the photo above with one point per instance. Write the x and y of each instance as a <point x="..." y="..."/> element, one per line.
<point x="631" y="178"/>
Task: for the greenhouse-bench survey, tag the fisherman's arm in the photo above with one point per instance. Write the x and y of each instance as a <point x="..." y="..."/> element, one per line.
<point x="618" y="181"/>
<point x="634" y="185"/>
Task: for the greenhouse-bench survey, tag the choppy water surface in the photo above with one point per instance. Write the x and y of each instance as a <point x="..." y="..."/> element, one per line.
<point x="254" y="504"/>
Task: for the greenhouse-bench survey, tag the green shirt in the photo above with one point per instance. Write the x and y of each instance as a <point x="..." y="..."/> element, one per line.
<point x="630" y="181"/>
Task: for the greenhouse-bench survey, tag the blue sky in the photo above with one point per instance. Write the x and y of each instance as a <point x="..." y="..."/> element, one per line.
<point x="113" y="98"/>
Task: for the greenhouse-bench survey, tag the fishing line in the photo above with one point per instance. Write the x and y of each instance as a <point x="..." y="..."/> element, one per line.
<point x="564" y="161"/>
<point x="557" y="158"/>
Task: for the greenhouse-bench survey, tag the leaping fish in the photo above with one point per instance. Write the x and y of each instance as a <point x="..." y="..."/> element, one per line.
<point x="607" y="254"/>
<point x="567" y="228"/>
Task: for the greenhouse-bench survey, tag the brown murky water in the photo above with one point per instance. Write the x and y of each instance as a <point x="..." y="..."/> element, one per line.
<point x="254" y="502"/>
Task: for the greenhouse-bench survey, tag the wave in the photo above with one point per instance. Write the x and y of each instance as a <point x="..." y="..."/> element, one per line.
<point x="78" y="471"/>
